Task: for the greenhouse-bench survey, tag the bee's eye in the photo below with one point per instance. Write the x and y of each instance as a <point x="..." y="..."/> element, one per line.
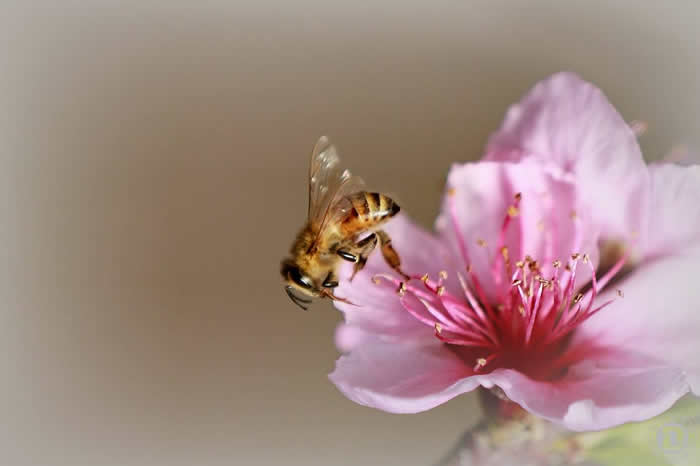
<point x="299" y="279"/>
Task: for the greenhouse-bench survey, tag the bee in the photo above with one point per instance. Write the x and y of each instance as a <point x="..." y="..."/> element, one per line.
<point x="342" y="224"/>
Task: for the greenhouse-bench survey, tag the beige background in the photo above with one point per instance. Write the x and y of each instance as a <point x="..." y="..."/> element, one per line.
<point x="153" y="174"/>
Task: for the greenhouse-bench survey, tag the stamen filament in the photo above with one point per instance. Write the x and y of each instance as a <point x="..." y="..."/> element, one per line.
<point x="523" y="322"/>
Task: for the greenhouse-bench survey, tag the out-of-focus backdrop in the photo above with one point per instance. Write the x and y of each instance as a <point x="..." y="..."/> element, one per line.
<point x="153" y="158"/>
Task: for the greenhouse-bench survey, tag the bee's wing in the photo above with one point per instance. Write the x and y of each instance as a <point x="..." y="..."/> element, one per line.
<point x="328" y="185"/>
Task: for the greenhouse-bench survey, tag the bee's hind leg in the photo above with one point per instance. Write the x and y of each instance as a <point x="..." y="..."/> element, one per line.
<point x="389" y="253"/>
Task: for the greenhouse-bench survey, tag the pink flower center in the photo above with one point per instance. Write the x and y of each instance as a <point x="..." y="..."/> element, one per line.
<point x="528" y="328"/>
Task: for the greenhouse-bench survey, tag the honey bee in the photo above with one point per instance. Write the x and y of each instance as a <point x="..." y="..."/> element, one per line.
<point x="342" y="224"/>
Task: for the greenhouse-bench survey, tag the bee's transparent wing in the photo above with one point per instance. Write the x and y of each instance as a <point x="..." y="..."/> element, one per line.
<point x="329" y="184"/>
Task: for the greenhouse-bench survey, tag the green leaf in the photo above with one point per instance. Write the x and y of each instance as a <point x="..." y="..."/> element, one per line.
<point x="671" y="439"/>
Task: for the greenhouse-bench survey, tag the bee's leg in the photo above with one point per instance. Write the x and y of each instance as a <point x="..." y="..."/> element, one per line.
<point x="361" y="251"/>
<point x="390" y="255"/>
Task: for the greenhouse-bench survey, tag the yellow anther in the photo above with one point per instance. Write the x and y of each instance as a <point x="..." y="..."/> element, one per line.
<point x="504" y="252"/>
<point x="573" y="215"/>
<point x="520" y="264"/>
<point x="556" y="264"/>
<point x="586" y="258"/>
<point x="438" y="328"/>
<point x="443" y="274"/>
<point x="517" y="282"/>
<point x="451" y="191"/>
<point x="376" y="280"/>
<point x="481" y="362"/>
<point x="424" y="278"/>
<point x="513" y="211"/>
<point x="440" y="290"/>
<point x="578" y="298"/>
<point x="575" y="256"/>
<point x="521" y="310"/>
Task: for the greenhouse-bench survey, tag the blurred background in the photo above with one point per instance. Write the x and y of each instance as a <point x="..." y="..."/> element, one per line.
<point x="153" y="161"/>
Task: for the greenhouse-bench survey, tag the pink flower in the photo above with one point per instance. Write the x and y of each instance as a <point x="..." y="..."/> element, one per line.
<point x="563" y="272"/>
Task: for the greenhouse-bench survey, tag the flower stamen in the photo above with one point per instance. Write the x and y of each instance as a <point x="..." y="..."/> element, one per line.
<point x="524" y="321"/>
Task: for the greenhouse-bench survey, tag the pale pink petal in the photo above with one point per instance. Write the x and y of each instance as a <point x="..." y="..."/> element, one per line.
<point x="659" y="314"/>
<point x="660" y="311"/>
<point x="401" y="377"/>
<point x="569" y="125"/>
<point x="377" y="309"/>
<point x="348" y="336"/>
<point x="598" y="393"/>
<point x="551" y="222"/>
<point x="675" y="208"/>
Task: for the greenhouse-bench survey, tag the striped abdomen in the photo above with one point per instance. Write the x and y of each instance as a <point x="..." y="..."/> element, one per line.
<point x="368" y="210"/>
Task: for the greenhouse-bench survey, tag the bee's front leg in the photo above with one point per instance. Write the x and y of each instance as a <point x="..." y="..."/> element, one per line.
<point x="360" y="251"/>
<point x="390" y="255"/>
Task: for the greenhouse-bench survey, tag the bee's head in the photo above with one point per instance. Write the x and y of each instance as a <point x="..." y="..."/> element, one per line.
<point x="296" y="279"/>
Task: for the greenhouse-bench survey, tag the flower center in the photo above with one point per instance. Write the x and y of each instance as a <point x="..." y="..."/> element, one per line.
<point x="528" y="326"/>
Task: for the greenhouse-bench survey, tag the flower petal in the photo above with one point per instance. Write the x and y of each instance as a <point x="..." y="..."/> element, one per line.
<point x="401" y="377"/>
<point x="675" y="208"/>
<point x="598" y="393"/>
<point x="570" y="126"/>
<point x="551" y="223"/>
<point x="377" y="309"/>
<point x="659" y="314"/>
